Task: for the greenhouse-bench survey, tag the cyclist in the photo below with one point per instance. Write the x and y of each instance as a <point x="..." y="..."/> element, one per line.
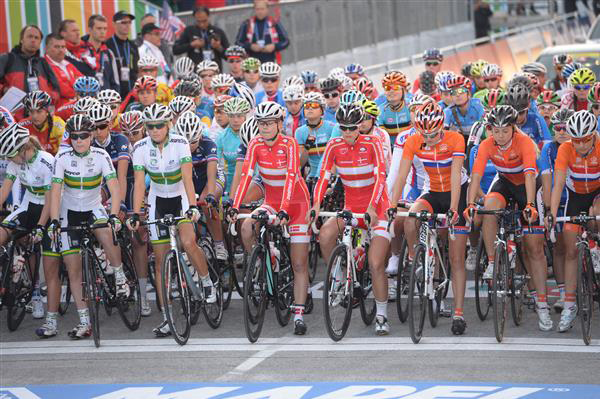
<point x="369" y="126"/>
<point x="293" y="80"/>
<point x="167" y="159"/>
<point x="365" y="86"/>
<point x="270" y="74"/>
<point x="359" y="162"/>
<point x="442" y="79"/>
<point x="331" y="89"/>
<point x="576" y="167"/>
<point x="85" y="86"/>
<point x="33" y="167"/>
<point x="286" y="195"/>
<point x="442" y="154"/>
<point x="492" y="76"/>
<point x="112" y="98"/>
<point x="179" y="105"/>
<point x="539" y="71"/>
<point x="432" y="58"/>
<point x="427" y="85"/>
<point x="148" y="66"/>
<point x="354" y="71"/>
<point x="294" y="118"/>
<point x="580" y="81"/>
<point x="235" y="55"/>
<point x="559" y="83"/>
<point x="594" y="102"/>
<point x="530" y="123"/>
<point x="75" y="199"/>
<point x="395" y="116"/>
<point x="145" y="90"/>
<point x="311" y="80"/>
<point x="548" y="103"/>
<point x="514" y="155"/>
<point x="190" y="86"/>
<point x="476" y="74"/>
<point x="243" y="91"/>
<point x="47" y="128"/>
<point x="464" y="111"/>
<point x="222" y="83"/>
<point x="256" y="190"/>
<point x="220" y="120"/>
<point x="250" y="67"/>
<point x="184" y="66"/>
<point x="206" y="70"/>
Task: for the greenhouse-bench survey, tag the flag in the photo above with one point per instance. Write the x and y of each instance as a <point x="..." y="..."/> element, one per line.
<point x="171" y="26"/>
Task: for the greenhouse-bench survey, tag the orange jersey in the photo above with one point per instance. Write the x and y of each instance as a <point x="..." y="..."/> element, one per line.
<point x="583" y="173"/>
<point x="513" y="163"/>
<point x="436" y="161"/>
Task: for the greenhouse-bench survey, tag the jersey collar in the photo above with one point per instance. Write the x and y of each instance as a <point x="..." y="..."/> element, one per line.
<point x="82" y="154"/>
<point x="34" y="157"/>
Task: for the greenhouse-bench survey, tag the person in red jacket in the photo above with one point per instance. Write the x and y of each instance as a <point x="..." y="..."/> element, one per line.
<point x="64" y="70"/>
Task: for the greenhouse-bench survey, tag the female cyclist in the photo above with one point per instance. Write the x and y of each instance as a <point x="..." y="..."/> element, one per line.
<point x="47" y="128"/>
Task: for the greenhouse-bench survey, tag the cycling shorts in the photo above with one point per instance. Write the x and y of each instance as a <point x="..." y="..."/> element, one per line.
<point x="542" y="212"/>
<point x="70" y="242"/>
<point x="439" y="202"/>
<point x="297" y="226"/>
<point x="380" y="229"/>
<point x="504" y="190"/>
<point x="27" y="216"/>
<point x="218" y="184"/>
<point x="580" y="203"/>
<point x="158" y="207"/>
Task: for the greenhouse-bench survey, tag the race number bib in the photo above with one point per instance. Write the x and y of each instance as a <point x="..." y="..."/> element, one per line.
<point x="125" y="74"/>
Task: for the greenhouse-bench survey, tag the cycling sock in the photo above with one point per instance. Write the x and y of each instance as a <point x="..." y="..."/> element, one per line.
<point x="143" y="282"/>
<point x="51" y="318"/>
<point x="541" y="301"/>
<point x="381" y="308"/>
<point x="533" y="293"/>
<point x="206" y="281"/>
<point x="561" y="290"/>
<point x="570" y="299"/>
<point x="458" y="313"/>
<point x="298" y="312"/>
<point x="84" y="316"/>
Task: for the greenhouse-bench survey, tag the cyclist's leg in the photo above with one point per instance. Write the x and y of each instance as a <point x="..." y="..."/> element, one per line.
<point x="187" y="236"/>
<point x="328" y="234"/>
<point x="378" y="249"/>
<point x="411" y="225"/>
<point x="495" y="199"/>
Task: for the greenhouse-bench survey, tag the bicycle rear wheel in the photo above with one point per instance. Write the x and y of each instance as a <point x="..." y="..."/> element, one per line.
<point x="500" y="290"/>
<point x="402" y="282"/>
<point x="284" y="289"/>
<point x="368" y="307"/>
<point x="585" y="299"/>
<point x="92" y="293"/>
<point x="130" y="307"/>
<point x="435" y="304"/>
<point x="20" y="294"/>
<point x="313" y="257"/>
<point x="176" y="298"/>
<point x="255" y="293"/>
<point x="517" y="279"/>
<point x="483" y="298"/>
<point x="63" y="306"/>
<point x="338" y="293"/>
<point x="417" y="298"/>
<point x="213" y="312"/>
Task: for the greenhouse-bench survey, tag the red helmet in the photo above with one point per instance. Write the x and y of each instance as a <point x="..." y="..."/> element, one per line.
<point x="429" y="118"/>
<point x="131" y="121"/>
<point x="459" y="81"/>
<point x="364" y="85"/>
<point x="145" y="83"/>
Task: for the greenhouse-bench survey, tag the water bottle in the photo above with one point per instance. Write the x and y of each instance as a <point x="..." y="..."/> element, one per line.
<point x="275" y="256"/>
<point x="512" y="252"/>
<point x="360" y="257"/>
<point x="595" y="253"/>
<point x="18" y="265"/>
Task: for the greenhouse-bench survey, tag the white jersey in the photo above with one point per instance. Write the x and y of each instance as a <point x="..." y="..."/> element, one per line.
<point x="386" y="143"/>
<point x="82" y="175"/>
<point x="163" y="167"/>
<point x="417" y="175"/>
<point x="35" y="176"/>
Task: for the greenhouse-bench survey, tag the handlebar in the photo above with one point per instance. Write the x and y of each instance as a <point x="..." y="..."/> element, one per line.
<point x="261" y="216"/>
<point x="579" y="219"/>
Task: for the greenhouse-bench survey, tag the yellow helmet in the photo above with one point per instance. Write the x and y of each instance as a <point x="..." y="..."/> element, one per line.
<point x="371" y="108"/>
<point x="583" y="76"/>
<point x="477" y="68"/>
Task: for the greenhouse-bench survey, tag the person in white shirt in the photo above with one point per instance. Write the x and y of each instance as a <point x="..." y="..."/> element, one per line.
<point x="151" y="47"/>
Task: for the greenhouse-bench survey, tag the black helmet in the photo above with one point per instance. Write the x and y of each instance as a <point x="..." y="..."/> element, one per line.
<point x="329" y="84"/>
<point x="427" y="82"/>
<point x="501" y="116"/>
<point x="79" y="123"/>
<point x="350" y="114"/>
<point x="518" y="97"/>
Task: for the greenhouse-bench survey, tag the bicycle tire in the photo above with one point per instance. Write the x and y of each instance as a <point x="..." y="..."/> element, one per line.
<point x="92" y="294"/>
<point x="255" y="293"/>
<point x="338" y="265"/>
<point x="175" y="290"/>
<point x="517" y="281"/>
<point x="402" y="282"/>
<point x="130" y="307"/>
<point x="483" y="299"/>
<point x="434" y="311"/>
<point x="227" y="275"/>
<point x="284" y="289"/>
<point x="20" y="295"/>
<point x="63" y="307"/>
<point x="585" y="302"/>
<point x="368" y="307"/>
<point x="213" y="312"/>
<point x="500" y="290"/>
<point x="313" y="257"/>
<point x="416" y="317"/>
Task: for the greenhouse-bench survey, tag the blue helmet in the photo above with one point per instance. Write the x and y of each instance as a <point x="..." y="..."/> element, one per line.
<point x="86" y="86"/>
<point x="309" y="77"/>
<point x="433" y="54"/>
<point x="351" y="97"/>
<point x="354" y="68"/>
<point x="568" y="69"/>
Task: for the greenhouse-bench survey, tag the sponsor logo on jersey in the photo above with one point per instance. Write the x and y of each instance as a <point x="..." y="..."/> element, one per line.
<point x="73" y="164"/>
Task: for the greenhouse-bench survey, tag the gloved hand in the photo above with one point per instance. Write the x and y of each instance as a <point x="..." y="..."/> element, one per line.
<point x="193" y="213"/>
<point x="115" y="222"/>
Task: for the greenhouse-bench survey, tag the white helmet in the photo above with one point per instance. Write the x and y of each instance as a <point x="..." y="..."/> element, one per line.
<point x="248" y="131"/>
<point x="12" y="139"/>
<point x="99" y="113"/>
<point x="157" y="113"/>
<point x="491" y="70"/>
<point x="581" y="124"/>
<point x="314" y="97"/>
<point x="207" y="66"/>
<point x="108" y="96"/>
<point x="148" y="61"/>
<point x="268" y="110"/>
<point x="269" y="69"/>
<point x="347" y="83"/>
<point x="337" y="73"/>
<point x="84" y="104"/>
<point x="181" y="104"/>
<point x="293" y="93"/>
<point x="190" y="126"/>
<point x="222" y="80"/>
<point x="418" y="100"/>
<point x="183" y="66"/>
<point x="244" y="92"/>
<point x="293" y="80"/>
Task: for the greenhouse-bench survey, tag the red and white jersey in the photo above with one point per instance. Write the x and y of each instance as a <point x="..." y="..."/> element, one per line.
<point x="384" y="137"/>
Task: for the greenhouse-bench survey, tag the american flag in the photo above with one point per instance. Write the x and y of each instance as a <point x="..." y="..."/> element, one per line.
<point x="170" y="24"/>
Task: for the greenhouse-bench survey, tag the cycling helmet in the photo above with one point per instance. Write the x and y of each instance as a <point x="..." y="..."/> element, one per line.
<point x="314" y="97"/>
<point x="518" y="97"/>
<point x="248" y="131"/>
<point x="364" y="85"/>
<point x="79" y="123"/>
<point x="351" y="97"/>
<point x="235" y="51"/>
<point x="583" y="76"/>
<point x="148" y="61"/>
<point x="493" y="97"/>
<point x="269" y="70"/>
<point x="86" y="86"/>
<point x="222" y="80"/>
<point x="157" y="113"/>
<point x="394" y="78"/>
<point x="337" y="73"/>
<point x="190" y="126"/>
<point x="562" y="59"/>
<point x="84" y="104"/>
<point x="371" y="109"/>
<point x="268" y="110"/>
<point x="354" y="68"/>
<point x="99" y="113"/>
<point x="183" y="66"/>
<point x="581" y="124"/>
<point x="329" y="84"/>
<point x="251" y="64"/>
<point x="220" y="100"/>
<point x="536" y="68"/>
<point x="465" y="70"/>
<point x="207" y="66"/>
<point x="243" y="91"/>
<point x="427" y="82"/>
<point x="501" y="116"/>
<point x="520" y="79"/>
<point x="429" y="118"/>
<point x="350" y="114"/>
<point x="459" y="81"/>
<point x="109" y="96"/>
<point x="418" y="100"/>
<point x="181" y="104"/>
<point x="568" y="69"/>
<point x="293" y="80"/>
<point x="145" y="83"/>
<point x="561" y="117"/>
<point x="309" y="77"/>
<point x="491" y="70"/>
<point x="442" y="78"/>
<point x="347" y="83"/>
<point x="131" y="121"/>
<point x="293" y="93"/>
<point x="594" y="94"/>
<point x="188" y="88"/>
<point x="477" y="68"/>
<point x="432" y="54"/>
<point x="37" y="100"/>
<point x="548" y="97"/>
<point x="12" y="139"/>
<point x="237" y="106"/>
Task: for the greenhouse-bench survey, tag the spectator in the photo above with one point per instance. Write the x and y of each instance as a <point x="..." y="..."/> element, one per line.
<point x="482" y="14"/>
<point x="150" y="48"/>
<point x="65" y="72"/>
<point x="125" y="51"/>
<point x="203" y="41"/>
<point x="261" y="36"/>
<point x="69" y="30"/>
<point x="165" y="47"/>
<point x="98" y="56"/>
<point x="23" y="67"/>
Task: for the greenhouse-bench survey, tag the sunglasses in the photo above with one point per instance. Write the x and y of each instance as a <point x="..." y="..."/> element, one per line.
<point x="148" y="69"/>
<point x="157" y="126"/>
<point x="253" y="71"/>
<point x="391" y="87"/>
<point x="456" y="92"/>
<point x="582" y="87"/>
<point x="331" y="95"/>
<point x="266" y="123"/>
<point x="432" y="63"/>
<point x="348" y="128"/>
<point x="559" y="128"/>
<point x="487" y="80"/>
<point x="312" y="105"/>
<point x="210" y="75"/>
<point x="102" y="126"/>
<point x="547" y="107"/>
<point x="269" y="80"/>
<point x="79" y="136"/>
<point x="429" y="135"/>
<point x="582" y="140"/>
<point x="134" y="132"/>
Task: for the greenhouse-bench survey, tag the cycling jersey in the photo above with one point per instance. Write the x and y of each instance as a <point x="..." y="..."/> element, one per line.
<point x="164" y="167"/>
<point x="583" y="173"/>
<point x="383" y="136"/>
<point x="35" y="176"/>
<point x="512" y="163"/>
<point x="227" y="146"/>
<point x="489" y="173"/>
<point x="205" y="153"/>
<point x="415" y="181"/>
<point x="117" y="147"/>
<point x="546" y="164"/>
<point x="50" y="139"/>
<point x="394" y="121"/>
<point x="164" y="94"/>
<point x="437" y="160"/>
<point x="262" y="96"/>
<point x="82" y="176"/>
<point x="455" y="120"/>
<point x="214" y="130"/>
<point x="321" y="133"/>
<point x="291" y="123"/>
<point x="65" y="111"/>
<point x="569" y="100"/>
<point x="329" y="115"/>
<point x="535" y="127"/>
<point x="206" y="108"/>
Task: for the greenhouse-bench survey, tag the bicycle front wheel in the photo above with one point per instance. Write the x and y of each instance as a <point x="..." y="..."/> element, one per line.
<point x="213" y="312"/>
<point x="337" y="297"/>
<point x="585" y="298"/>
<point x="368" y="307"/>
<point x="313" y="257"/>
<point x="20" y="294"/>
<point x="130" y="307"/>
<point x="500" y="290"/>
<point x="483" y="298"/>
<point x="92" y="294"/>
<point x="176" y="298"/>
<point x="417" y="297"/>
<point x="402" y="282"/>
<point x="255" y="293"/>
<point x="64" y="282"/>
<point x="517" y="280"/>
<point x="284" y="289"/>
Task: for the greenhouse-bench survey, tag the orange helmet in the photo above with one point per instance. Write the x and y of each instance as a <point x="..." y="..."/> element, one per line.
<point x="429" y="118"/>
<point x="394" y="78"/>
<point x="145" y="83"/>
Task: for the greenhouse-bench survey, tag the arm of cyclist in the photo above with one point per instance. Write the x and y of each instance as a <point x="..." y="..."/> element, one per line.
<point x="379" y="171"/>
<point x="188" y="184"/>
<point x="560" y="177"/>
<point x="211" y="177"/>
<point x="291" y="178"/>
<point x="122" y="166"/>
<point x="325" y="170"/>
<point x="245" y="177"/>
<point x="455" y="186"/>
<point x="5" y="189"/>
<point x="237" y="177"/>
<point x="405" y="165"/>
<point x="139" y="190"/>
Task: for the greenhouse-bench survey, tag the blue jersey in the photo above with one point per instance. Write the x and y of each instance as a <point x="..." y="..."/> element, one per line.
<point x="261" y="97"/>
<point x="394" y="122"/>
<point x="329" y="115"/>
<point x="442" y="104"/>
<point x="535" y="127"/>
<point x="206" y="108"/>
<point x="322" y="134"/>
<point x="546" y="165"/>
<point x="380" y="100"/>
<point x="454" y="120"/>
<point x="490" y="170"/>
<point x="118" y="148"/>
<point x="205" y="153"/>
<point x="228" y="144"/>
